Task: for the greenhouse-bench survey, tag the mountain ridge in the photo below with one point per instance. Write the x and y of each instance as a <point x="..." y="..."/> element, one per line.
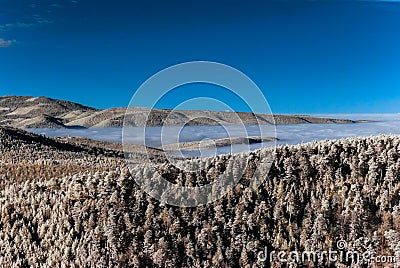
<point x="43" y="112"/>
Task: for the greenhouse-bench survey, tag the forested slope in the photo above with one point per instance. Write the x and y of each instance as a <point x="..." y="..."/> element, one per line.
<point x="316" y="194"/>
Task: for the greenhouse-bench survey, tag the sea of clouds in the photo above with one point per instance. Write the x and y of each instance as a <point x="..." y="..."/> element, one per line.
<point x="287" y="134"/>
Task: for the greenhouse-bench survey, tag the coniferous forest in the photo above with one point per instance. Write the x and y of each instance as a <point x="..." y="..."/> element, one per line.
<point x="73" y="207"/>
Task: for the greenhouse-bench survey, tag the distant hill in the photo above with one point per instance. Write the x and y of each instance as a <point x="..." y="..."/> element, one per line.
<point x="43" y="112"/>
<point x="40" y="112"/>
<point x="13" y="138"/>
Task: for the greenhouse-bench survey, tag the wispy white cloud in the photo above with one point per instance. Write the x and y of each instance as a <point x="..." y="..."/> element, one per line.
<point x="55" y="5"/>
<point x="8" y="26"/>
<point x="6" y="43"/>
<point x="38" y="19"/>
<point x="44" y="21"/>
<point x="35" y="21"/>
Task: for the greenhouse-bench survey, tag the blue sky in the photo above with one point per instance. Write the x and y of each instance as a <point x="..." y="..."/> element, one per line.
<point x="306" y="56"/>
